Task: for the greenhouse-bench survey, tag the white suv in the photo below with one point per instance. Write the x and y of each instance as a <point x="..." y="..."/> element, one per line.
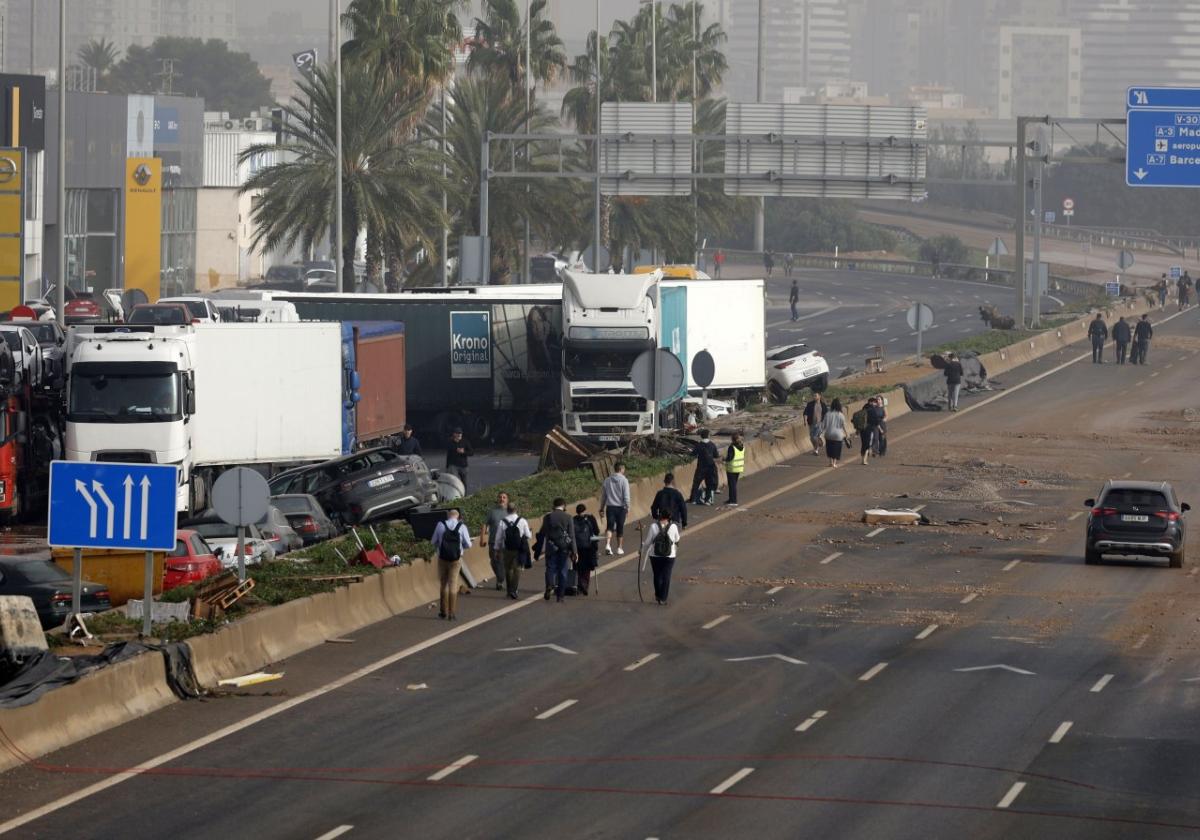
<point x="793" y="367"/>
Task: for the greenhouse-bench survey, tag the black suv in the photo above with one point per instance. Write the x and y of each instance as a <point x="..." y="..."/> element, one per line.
<point x="1138" y="518"/>
<point x="368" y="485"/>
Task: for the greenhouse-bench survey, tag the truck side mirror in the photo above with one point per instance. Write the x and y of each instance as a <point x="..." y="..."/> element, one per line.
<point x="189" y="396"/>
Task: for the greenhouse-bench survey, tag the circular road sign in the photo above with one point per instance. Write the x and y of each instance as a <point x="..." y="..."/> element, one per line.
<point x="1068" y="204"/>
<point x="241" y="496"/>
<point x="704" y="369"/>
<point x="1125" y="259"/>
<point x="923" y="313"/>
<point x="657" y="375"/>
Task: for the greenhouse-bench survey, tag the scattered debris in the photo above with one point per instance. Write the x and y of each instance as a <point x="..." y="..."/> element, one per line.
<point x="251" y="679"/>
<point x="880" y="516"/>
<point x="339" y="641"/>
<point x="215" y="595"/>
<point x="416" y="686"/>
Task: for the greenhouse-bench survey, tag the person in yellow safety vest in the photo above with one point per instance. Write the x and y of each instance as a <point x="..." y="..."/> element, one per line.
<point x="735" y="465"/>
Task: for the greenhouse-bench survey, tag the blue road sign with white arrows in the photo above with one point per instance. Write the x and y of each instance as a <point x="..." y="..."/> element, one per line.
<point x="1162" y="137"/>
<point x="102" y="505"/>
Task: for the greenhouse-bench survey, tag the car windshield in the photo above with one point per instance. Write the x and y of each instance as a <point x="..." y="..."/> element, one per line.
<point x="292" y="504"/>
<point x="123" y="394"/>
<point x="39" y="571"/>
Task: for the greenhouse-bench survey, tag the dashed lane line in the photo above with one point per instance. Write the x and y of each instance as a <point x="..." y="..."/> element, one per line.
<point x="337" y="832"/>
<point x="872" y="672"/>
<point x="876" y="532"/>
<point x="774" y="589"/>
<point x="719" y="619"/>
<point x="927" y="632"/>
<point x="1075" y="516"/>
<point x="553" y="710"/>
<point x="971" y="597"/>
<point x="453" y="767"/>
<point x="732" y="780"/>
<point x="1011" y="796"/>
<point x="650" y="657"/>
<point x="1010" y="565"/>
<point x="1142" y="641"/>
<point x="1061" y="732"/>
<point x="811" y="721"/>
<point x="1100" y="683"/>
<point x="831" y="558"/>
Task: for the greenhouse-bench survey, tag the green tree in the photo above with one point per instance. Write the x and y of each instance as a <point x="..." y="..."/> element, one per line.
<point x="225" y="80"/>
<point x="391" y="189"/>
<point x="500" y="43"/>
<point x="943" y="249"/>
<point x="407" y="44"/>
<point x="101" y="56"/>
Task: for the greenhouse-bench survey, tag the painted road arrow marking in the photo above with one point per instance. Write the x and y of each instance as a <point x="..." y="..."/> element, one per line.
<point x="1020" y="671"/>
<point x="778" y="656"/>
<point x="555" y="648"/>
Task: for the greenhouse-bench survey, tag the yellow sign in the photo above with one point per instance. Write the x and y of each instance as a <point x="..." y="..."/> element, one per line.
<point x="12" y="227"/>
<point x="143" y="225"/>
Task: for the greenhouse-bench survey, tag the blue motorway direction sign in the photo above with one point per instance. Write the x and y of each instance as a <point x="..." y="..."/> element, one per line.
<point x="1162" y="148"/>
<point x="1170" y="98"/>
<point x="100" y="505"/>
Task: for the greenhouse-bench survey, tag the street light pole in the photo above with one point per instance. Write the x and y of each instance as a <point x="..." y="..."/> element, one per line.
<point x="60" y="285"/>
<point x="596" y="233"/>
<point x="760" y="210"/>
<point x="696" y="185"/>
<point x="528" y="108"/>
<point x="338" y="233"/>
<point x="445" y="224"/>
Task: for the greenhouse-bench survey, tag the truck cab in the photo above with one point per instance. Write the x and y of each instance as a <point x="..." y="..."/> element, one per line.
<point x="608" y="321"/>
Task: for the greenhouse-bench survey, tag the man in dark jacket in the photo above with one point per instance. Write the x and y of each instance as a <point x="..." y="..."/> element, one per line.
<point x="669" y="501"/>
<point x="874" y="409"/>
<point x="556" y="538"/>
<point x="458" y="453"/>
<point x="706" y="470"/>
<point x="409" y="445"/>
<point x="1098" y="333"/>
<point x="1142" y="334"/>
<point x="1121" y="335"/>
<point x="954" y="377"/>
<point x="794" y="299"/>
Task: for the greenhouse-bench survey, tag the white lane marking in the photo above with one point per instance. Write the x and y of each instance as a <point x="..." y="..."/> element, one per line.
<point x="553" y="710"/>
<point x="1061" y="732"/>
<point x="1138" y="644"/>
<point x="851" y="326"/>
<point x="844" y="355"/>
<point x="882" y="330"/>
<point x="1012" y="564"/>
<point x="876" y="532"/>
<point x="1139" y="384"/>
<point x="1011" y="796"/>
<point x="875" y="669"/>
<point x="969" y="598"/>
<point x="1169" y="366"/>
<point x="337" y="832"/>
<point x="919" y="508"/>
<point x="892" y="340"/>
<point x="732" y="780"/>
<point x="1147" y="459"/>
<point x="838" y="554"/>
<point x="1075" y="516"/>
<point x="452" y="768"/>
<point x="1043" y="539"/>
<point x="830" y="332"/>
<point x="650" y="657"/>
<point x="774" y="589"/>
<point x="715" y="622"/>
<point x="872" y="320"/>
<point x="1154" y="374"/>
<point x="1100" y="683"/>
<point x="1127" y="475"/>
<point x="927" y="632"/>
<point x="808" y="724"/>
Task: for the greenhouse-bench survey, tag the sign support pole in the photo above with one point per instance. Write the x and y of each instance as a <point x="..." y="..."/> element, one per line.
<point x="148" y="597"/>
<point x="241" y="553"/>
<point x="76" y="583"/>
<point x="920" y="329"/>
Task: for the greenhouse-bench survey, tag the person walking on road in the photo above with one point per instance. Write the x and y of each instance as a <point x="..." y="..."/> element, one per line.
<point x="706" y="470"/>
<point x="735" y="465"/>
<point x="556" y="538"/>
<point x="1121" y="335"/>
<point x="814" y="414"/>
<point x="661" y="542"/>
<point x="614" y="496"/>
<point x="769" y="261"/>
<point x="1184" y="286"/>
<point x="512" y="537"/>
<point x="794" y="300"/>
<point x="718" y="263"/>
<point x="495" y="544"/>
<point x="789" y="263"/>
<point x="953" y="371"/>
<point x="1142" y="334"/>
<point x="866" y="422"/>
<point x="834" y="429"/>
<point x="409" y="445"/>
<point x="587" y="547"/>
<point x="458" y="455"/>
<point x="451" y="538"/>
<point x="670" y="501"/>
<point x="1162" y="292"/>
<point x="1098" y="333"/>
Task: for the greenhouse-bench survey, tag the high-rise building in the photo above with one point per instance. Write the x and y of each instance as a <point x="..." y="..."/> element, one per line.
<point x="127" y="22"/>
<point x="806" y="43"/>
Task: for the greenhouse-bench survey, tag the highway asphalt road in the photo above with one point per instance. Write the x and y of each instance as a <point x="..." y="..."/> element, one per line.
<point x="812" y="676"/>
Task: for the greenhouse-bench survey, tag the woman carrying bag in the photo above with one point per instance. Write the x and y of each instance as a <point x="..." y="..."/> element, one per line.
<point x="587" y="546"/>
<point x="836" y="431"/>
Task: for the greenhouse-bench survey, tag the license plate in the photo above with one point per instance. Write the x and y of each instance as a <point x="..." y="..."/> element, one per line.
<point x="382" y="480"/>
<point x="1129" y="517"/>
<point x="812" y="371"/>
<point x="608" y="438"/>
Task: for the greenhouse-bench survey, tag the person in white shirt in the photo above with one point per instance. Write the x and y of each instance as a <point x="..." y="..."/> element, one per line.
<point x="512" y="537"/>
<point x="614" y="504"/>
<point x="661" y="541"/>
<point x="451" y="538"/>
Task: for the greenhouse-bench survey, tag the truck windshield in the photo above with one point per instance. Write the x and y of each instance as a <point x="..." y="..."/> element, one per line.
<point x="129" y="393"/>
<point x="598" y="365"/>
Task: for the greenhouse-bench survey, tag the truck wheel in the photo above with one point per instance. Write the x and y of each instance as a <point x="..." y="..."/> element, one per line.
<point x="1176" y="560"/>
<point x="1091" y="557"/>
<point x="479" y="428"/>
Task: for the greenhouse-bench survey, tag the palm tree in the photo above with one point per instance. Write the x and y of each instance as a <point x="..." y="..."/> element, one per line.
<point x="500" y="43"/>
<point x="99" y="55"/>
<point x="408" y="44"/>
<point x="391" y="188"/>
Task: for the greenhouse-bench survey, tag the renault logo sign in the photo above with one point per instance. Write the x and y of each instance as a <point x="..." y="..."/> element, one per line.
<point x="8" y="170"/>
<point x="142" y="175"/>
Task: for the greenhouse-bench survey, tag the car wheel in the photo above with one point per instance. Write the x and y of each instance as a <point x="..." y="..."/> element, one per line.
<point x="1176" y="560"/>
<point x="821" y="383"/>
<point x="1091" y="557"/>
<point x="775" y="393"/>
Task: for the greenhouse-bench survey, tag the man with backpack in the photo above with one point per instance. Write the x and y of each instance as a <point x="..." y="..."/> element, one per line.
<point x="557" y="538"/>
<point x="510" y="538"/>
<point x="496" y="546"/>
<point x="661" y="540"/>
<point x="706" y="470"/>
<point x="450" y="538"/>
<point x="670" y="501"/>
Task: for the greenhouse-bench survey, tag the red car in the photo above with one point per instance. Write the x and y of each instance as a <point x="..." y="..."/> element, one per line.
<point x="191" y="562"/>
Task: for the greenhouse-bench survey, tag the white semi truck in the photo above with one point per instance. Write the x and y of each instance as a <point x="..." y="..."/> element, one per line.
<point x="205" y="397"/>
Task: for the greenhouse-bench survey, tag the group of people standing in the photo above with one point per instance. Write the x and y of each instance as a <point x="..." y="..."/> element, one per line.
<point x="829" y="428"/>
<point x="1133" y="343"/>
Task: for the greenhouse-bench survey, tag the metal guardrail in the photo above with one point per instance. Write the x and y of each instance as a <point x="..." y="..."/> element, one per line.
<point x="1108" y="239"/>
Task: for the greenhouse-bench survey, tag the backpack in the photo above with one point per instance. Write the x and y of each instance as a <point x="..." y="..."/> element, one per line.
<point x="583" y="533"/>
<point x="512" y="535"/>
<point x="559" y="538"/>
<point x="450" y="546"/>
<point x="663" y="542"/>
<point x="859" y="420"/>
